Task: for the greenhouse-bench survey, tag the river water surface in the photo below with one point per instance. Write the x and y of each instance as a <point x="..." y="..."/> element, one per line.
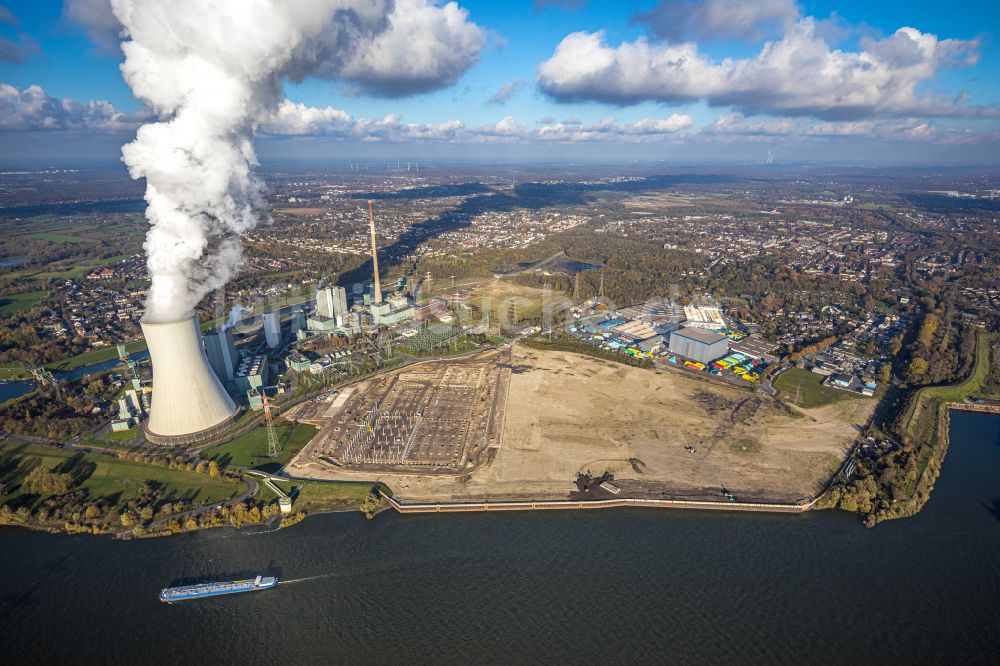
<point x="614" y="586"/>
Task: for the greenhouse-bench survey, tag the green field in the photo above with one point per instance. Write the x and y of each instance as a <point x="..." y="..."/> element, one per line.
<point x="107" y="477"/>
<point x="21" y="302"/>
<point x="808" y="388"/>
<point x="250" y="449"/>
<point x="13" y="372"/>
<point x="61" y="238"/>
<point x="319" y="495"/>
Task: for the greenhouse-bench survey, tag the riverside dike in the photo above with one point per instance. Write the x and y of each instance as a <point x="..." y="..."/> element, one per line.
<point x="552" y="505"/>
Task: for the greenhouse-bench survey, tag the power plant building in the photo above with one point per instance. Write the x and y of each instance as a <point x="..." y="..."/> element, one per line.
<point x="331" y="301"/>
<point x="189" y="404"/>
<point x="272" y="329"/>
<point x="253" y="373"/>
<point x="222" y="356"/>
<point x="698" y="344"/>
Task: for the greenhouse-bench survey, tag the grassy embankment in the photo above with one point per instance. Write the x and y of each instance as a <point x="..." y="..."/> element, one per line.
<point x="926" y="417"/>
<point x="925" y="409"/>
<point x="315" y="496"/>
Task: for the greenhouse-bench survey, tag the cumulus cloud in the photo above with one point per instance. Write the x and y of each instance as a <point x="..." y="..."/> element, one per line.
<point x="735" y="127"/>
<point x="34" y="109"/>
<point x="293" y="119"/>
<point x="423" y="47"/>
<point x="393" y="47"/>
<point x="507" y="130"/>
<point x="689" y="20"/>
<point x="798" y="75"/>
<point x="735" y="124"/>
<point x="300" y="120"/>
<point x="506" y="91"/>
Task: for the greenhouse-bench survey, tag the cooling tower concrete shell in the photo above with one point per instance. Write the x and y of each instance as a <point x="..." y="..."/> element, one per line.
<point x="189" y="404"/>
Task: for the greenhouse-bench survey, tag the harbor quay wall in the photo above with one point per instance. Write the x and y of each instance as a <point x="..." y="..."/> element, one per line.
<point x="972" y="407"/>
<point x="556" y="505"/>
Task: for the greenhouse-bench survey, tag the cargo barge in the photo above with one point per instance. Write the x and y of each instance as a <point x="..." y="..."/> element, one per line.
<point x="171" y="594"/>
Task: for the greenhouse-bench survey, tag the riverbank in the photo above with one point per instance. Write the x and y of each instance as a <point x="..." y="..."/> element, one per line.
<point x="897" y="482"/>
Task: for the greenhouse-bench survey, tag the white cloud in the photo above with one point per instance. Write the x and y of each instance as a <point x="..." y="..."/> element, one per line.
<point x="383" y="47"/>
<point x="737" y="124"/>
<point x="33" y="109"/>
<point x="735" y="127"/>
<point x="798" y="75"/>
<point x="300" y="120"/>
<point x="688" y="20"/>
<point x="294" y="119"/>
<point x="607" y="130"/>
<point x="423" y="46"/>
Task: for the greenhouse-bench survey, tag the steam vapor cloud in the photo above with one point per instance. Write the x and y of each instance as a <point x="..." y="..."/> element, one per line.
<point x="212" y="70"/>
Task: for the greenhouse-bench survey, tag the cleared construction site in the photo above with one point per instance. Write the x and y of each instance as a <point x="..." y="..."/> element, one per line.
<point x="433" y="417"/>
<point x="544" y="425"/>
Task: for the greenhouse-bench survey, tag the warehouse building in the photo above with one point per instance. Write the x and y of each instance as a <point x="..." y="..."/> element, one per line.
<point x="701" y="316"/>
<point x="757" y="347"/>
<point x="699" y="344"/>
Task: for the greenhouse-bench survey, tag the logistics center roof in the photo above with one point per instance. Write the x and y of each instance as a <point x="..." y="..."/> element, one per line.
<point x="700" y="335"/>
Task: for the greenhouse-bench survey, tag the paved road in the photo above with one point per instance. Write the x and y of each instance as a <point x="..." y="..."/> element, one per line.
<point x="767" y="386"/>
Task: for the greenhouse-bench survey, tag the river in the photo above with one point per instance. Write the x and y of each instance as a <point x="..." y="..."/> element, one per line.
<point x="613" y="586"/>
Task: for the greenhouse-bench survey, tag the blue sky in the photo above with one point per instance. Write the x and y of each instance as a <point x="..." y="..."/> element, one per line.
<point x="46" y="48"/>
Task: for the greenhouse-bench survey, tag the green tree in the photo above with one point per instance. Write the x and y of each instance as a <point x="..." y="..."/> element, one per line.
<point x="916" y="370"/>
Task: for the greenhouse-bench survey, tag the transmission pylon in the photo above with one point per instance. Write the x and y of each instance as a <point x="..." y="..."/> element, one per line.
<point x="273" y="445"/>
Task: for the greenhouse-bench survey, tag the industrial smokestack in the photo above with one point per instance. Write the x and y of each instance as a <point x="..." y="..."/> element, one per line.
<point x="189" y="404"/>
<point x="371" y="217"/>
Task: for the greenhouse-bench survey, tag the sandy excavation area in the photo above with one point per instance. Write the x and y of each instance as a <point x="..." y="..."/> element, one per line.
<point x="568" y="414"/>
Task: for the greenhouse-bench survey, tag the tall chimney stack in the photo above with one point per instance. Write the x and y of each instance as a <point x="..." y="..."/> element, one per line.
<point x="371" y="218"/>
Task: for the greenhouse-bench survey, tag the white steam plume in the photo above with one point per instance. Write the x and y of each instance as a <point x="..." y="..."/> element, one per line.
<point x="213" y="69"/>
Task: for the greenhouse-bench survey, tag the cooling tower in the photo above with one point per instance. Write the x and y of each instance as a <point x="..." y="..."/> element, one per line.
<point x="189" y="404"/>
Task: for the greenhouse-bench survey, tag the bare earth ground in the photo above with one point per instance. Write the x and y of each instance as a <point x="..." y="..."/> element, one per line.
<point x="568" y="413"/>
